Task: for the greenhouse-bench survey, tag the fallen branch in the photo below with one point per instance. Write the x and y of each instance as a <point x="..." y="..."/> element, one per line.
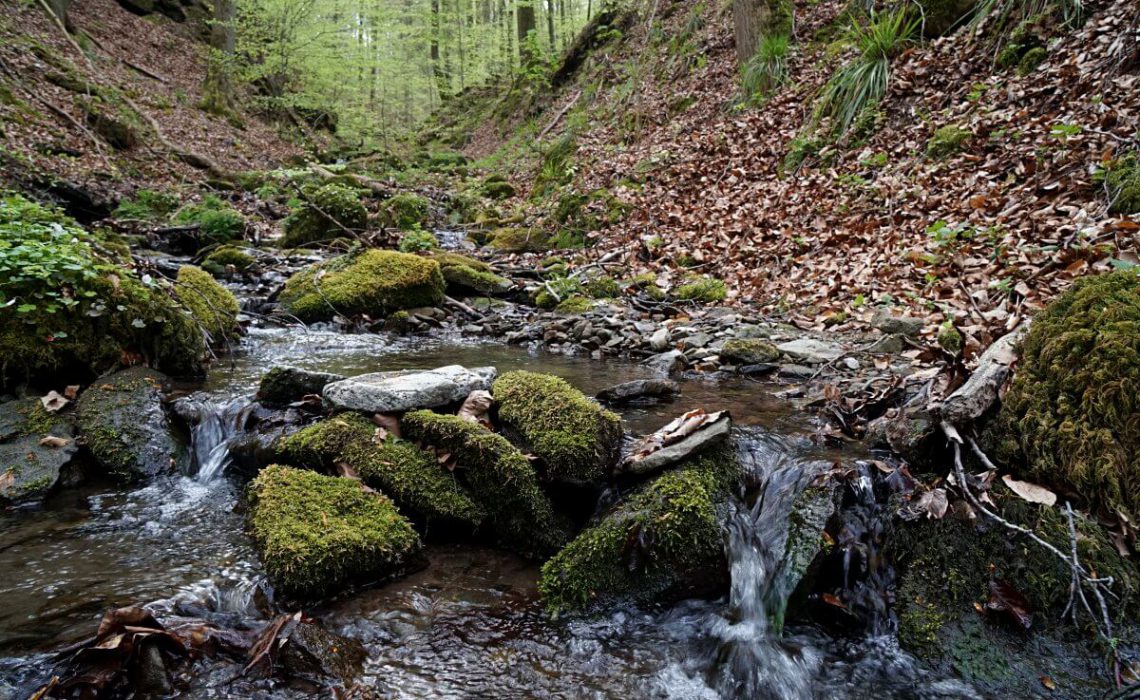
<point x="308" y="200"/>
<point x="558" y="117"/>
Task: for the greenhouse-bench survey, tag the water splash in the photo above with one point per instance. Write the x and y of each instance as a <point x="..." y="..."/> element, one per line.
<point x="213" y="424"/>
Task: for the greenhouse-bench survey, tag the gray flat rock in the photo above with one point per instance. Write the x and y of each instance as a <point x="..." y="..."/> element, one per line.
<point x="810" y="350"/>
<point x="406" y="390"/>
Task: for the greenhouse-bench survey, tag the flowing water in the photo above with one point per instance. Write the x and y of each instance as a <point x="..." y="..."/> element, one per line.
<point x="469" y="625"/>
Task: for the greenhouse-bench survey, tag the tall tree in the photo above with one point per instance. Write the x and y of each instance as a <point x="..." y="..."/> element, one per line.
<point x="528" y="49"/>
<point x="217" y="92"/>
<point x="441" y="85"/>
<point x="755" y="19"/>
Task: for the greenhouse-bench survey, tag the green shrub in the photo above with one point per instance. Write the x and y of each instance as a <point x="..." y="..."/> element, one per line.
<point x="767" y="69"/>
<point x="218" y="221"/>
<point x="416" y="241"/>
<point x="148" y="205"/>
<point x="1070" y="416"/>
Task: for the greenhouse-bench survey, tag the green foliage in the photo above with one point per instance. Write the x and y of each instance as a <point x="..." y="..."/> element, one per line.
<point x="416" y="241"/>
<point x="319" y="533"/>
<point x="863" y="82"/>
<point x="557" y="165"/>
<point x="602" y="287"/>
<point x="412" y="477"/>
<point x="656" y="545"/>
<point x="213" y="306"/>
<point x="702" y="289"/>
<point x="500" y="477"/>
<point x="577" y="304"/>
<point x="556" y="290"/>
<point x="373" y="282"/>
<point x="496" y="187"/>
<point x="799" y="150"/>
<point x="1070" y="414"/>
<point x="1121" y="180"/>
<point x="327" y="212"/>
<point x="946" y="141"/>
<point x="148" y="205"/>
<point x="577" y="440"/>
<point x="406" y="211"/>
<point x="219" y="222"/>
<point x="767" y="69"/>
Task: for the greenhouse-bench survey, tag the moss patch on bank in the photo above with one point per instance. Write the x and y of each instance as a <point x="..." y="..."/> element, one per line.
<point x="413" y="477"/>
<point x="577" y="439"/>
<point x="317" y="534"/>
<point x="328" y="211"/>
<point x="212" y="305"/>
<point x="374" y="283"/>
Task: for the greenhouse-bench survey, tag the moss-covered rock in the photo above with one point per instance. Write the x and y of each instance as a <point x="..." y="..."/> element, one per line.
<point x="405" y="211"/>
<point x="500" y="477"/>
<point x="281" y="386"/>
<point x="496" y="187"/>
<point x="413" y="477"/>
<point x="664" y="542"/>
<point x="577" y="440"/>
<point x="518" y="240"/>
<point x="465" y="280"/>
<point x="448" y="259"/>
<point x="1070" y="416"/>
<point x="213" y="306"/>
<point x="576" y="304"/>
<point x="703" y="289"/>
<point x="949" y="338"/>
<point x="374" y="282"/>
<point x="602" y="288"/>
<point x="226" y="256"/>
<point x="30" y="467"/>
<point x="1031" y="59"/>
<point x="123" y="423"/>
<point x="330" y="209"/>
<point x="317" y="534"/>
<point x="68" y="304"/>
<point x="749" y="351"/>
<point x="218" y="222"/>
<point x="556" y="290"/>
<point x="947" y="141"/>
<point x="1121" y="178"/>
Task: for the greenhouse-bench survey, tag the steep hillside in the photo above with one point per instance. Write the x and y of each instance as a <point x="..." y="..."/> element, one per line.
<point x="969" y="194"/>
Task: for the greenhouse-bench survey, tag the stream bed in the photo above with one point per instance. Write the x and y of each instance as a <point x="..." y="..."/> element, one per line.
<point x="470" y="625"/>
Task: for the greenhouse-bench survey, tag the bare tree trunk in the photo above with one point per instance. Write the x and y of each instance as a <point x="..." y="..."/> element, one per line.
<point x="526" y="24"/>
<point x="217" y="92"/>
<point x="441" y="83"/>
<point x="755" y="19"/>
<point x="550" y="25"/>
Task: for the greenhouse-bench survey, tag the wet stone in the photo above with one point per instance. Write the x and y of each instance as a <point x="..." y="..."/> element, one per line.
<point x="406" y="390"/>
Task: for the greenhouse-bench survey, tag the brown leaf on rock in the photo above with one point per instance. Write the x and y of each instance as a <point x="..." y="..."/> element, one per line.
<point x="1006" y="599"/>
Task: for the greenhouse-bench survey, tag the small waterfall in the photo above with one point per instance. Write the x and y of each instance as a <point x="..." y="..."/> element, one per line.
<point x="213" y="424"/>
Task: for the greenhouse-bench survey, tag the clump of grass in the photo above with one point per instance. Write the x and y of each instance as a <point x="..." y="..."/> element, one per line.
<point x="863" y="82"/>
<point x="767" y="69"/>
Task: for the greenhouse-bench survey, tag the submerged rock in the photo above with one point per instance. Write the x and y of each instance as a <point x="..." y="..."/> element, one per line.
<point x="640" y="391"/>
<point x="499" y="476"/>
<point x="35" y="448"/>
<point x="317" y="534"/>
<point x="664" y="542"/>
<point x="666" y="363"/>
<point x="414" y="478"/>
<point x="577" y="440"/>
<point x="281" y="386"/>
<point x="405" y="390"/>
<point x="124" y="425"/>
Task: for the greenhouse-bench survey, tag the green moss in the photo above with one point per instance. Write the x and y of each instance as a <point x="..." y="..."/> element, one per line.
<point x="499" y="476"/>
<point x="148" y="205"/>
<point x="229" y="255"/>
<point x="212" y="305"/>
<point x="556" y="290"/>
<point x="496" y="187"/>
<point x="749" y="351"/>
<point x="219" y="222"/>
<point x="949" y="338"/>
<point x="602" y="288"/>
<point x="406" y="211"/>
<point x="1121" y="178"/>
<point x="121" y="421"/>
<point x="518" y="240"/>
<point x="374" y="282"/>
<point x="574" y="305"/>
<point x="398" y="322"/>
<point x="412" y="477"/>
<point x="447" y="259"/>
<point x="416" y="241"/>
<point x="655" y="545"/>
<point x="328" y="211"/>
<point x="318" y="533"/>
<point x="467" y="279"/>
<point x="1070" y="416"/>
<point x="702" y="289"/>
<point x="1032" y="58"/>
<point x="947" y="141"/>
<point x="577" y="440"/>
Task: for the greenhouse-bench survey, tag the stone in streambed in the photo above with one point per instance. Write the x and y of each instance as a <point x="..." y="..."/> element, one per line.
<point x="577" y="440"/>
<point x="640" y="391"/>
<point x="891" y="324"/>
<point x="406" y="390"/>
<point x="810" y="351"/>
<point x="124" y="425"/>
<point x="666" y="363"/>
<point x="281" y="386"/>
<point x="652" y="454"/>
<point x="749" y="351"/>
<point x="31" y="461"/>
<point x="316" y="534"/>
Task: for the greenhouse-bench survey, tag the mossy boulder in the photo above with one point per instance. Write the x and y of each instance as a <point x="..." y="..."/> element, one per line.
<point x="405" y="211"/>
<point x="664" y="542"/>
<point x="947" y="141"/>
<point x="213" y="307"/>
<point x="1121" y="179"/>
<point x="69" y="306"/>
<point x="499" y="476"/>
<point x="281" y="386"/>
<point x="448" y="259"/>
<point x="414" y="478"/>
<point x="576" y="304"/>
<point x="577" y="440"/>
<point x="228" y="255"/>
<point x="329" y="210"/>
<point x="1070" y="417"/>
<point x="702" y="289"/>
<point x="29" y="466"/>
<point x="518" y="240"/>
<point x="946" y="568"/>
<point x="374" y="282"/>
<point x="749" y="351"/>
<point x="602" y="288"/>
<point x="317" y="534"/>
<point x="496" y="187"/>
<point x="465" y="280"/>
<point x="124" y="425"/>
